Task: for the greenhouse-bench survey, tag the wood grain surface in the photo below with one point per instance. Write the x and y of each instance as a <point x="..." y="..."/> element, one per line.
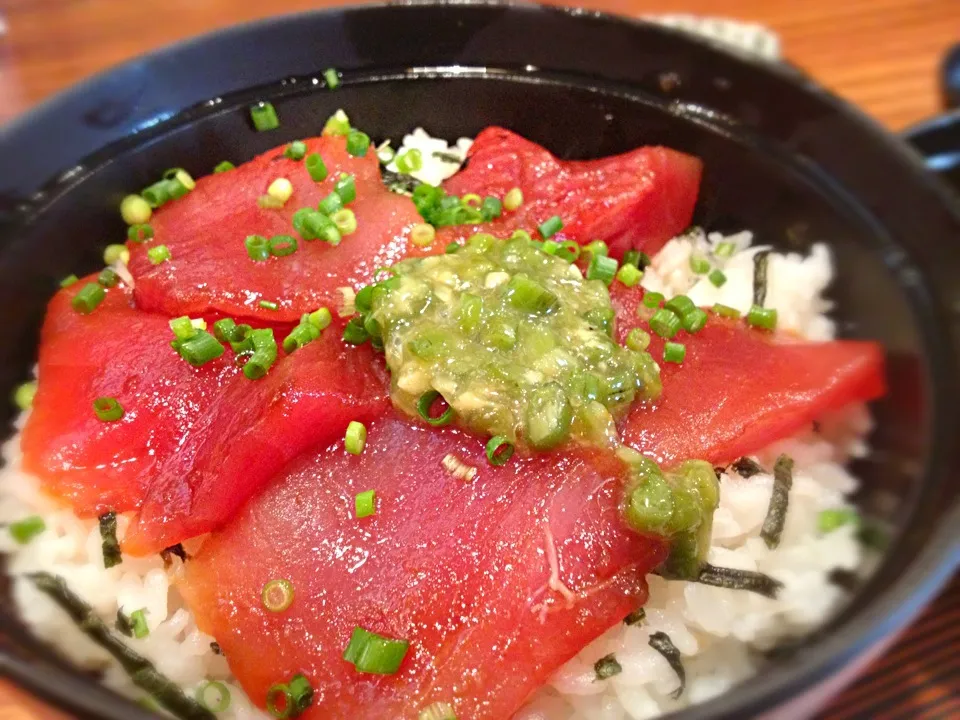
<point x="880" y="54"/>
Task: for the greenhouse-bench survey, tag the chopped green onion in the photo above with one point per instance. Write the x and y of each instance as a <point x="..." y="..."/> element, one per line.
<point x="264" y="353"/>
<point x="280" y="190"/>
<point x="214" y="696"/>
<point x="525" y="293"/>
<point x="680" y="304"/>
<point x="471" y="200"/>
<point x="437" y="711"/>
<point x="346" y="188"/>
<point x="330" y="204"/>
<point x="629" y="275"/>
<point x="365" y="503"/>
<point x="764" y="318"/>
<point x="116" y="253"/>
<point x="726" y="311"/>
<point x="295" y="150"/>
<point x="410" y="161"/>
<point x="725" y="249"/>
<point x="632" y="257"/>
<point x="184" y="178"/>
<point x="830" y="520"/>
<point x="321" y="318"/>
<point x="355" y="438"/>
<point x="451" y="247"/>
<point x="264" y="117"/>
<point x="694" y="321"/>
<point x="337" y="124"/>
<point x="369" y="652"/>
<point x="158" y="254"/>
<point x="183" y="327"/>
<point x="290" y="700"/>
<point x="89" y="297"/>
<point x="499" y="450"/>
<point x="258" y="247"/>
<point x="224" y="166"/>
<point x="199" y="349"/>
<point x="332" y="78"/>
<point x="491" y="209"/>
<point x="569" y="250"/>
<point x="602" y="268"/>
<point x="23" y="531"/>
<point x="358" y="143"/>
<point x="652" y="299"/>
<point x="363" y="300"/>
<point x="138" y="624"/>
<point x="269" y="305"/>
<point x="425" y="409"/>
<point x="277" y="595"/>
<point x="551" y="247"/>
<point x="699" y="264"/>
<point x="108" y="278"/>
<point x="69" y="280"/>
<point x="282" y="245"/>
<point x="24" y="394"/>
<point x="665" y="323"/>
<point x="424" y="234"/>
<point x="135" y="210"/>
<point x="674" y="352"/>
<point x="107" y="409"/>
<point x="303" y="334"/>
<point x="550" y="227"/>
<point x="513" y="199"/>
<point x="597" y="247"/>
<point x="717" y="278"/>
<point x="355" y="333"/>
<point x="638" y="339"/>
<point x="516" y="235"/>
<point x="345" y="221"/>
<point x="316" y="167"/>
<point x="139" y="233"/>
<point x="157" y="194"/>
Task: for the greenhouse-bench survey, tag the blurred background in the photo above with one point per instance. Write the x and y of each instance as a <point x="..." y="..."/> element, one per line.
<point x="883" y="55"/>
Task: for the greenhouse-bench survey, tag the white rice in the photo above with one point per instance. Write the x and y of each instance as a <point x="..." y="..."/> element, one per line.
<point x="715" y="630"/>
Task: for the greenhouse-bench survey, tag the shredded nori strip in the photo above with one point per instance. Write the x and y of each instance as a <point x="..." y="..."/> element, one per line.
<point x="400" y="183"/>
<point x="141" y="671"/>
<point x="446" y="157"/>
<point x="636" y="617"/>
<point x="123" y="624"/>
<point x="760" y="277"/>
<point x="111" y="546"/>
<point x="739" y="580"/>
<point x="872" y="535"/>
<point x="606" y="667"/>
<point x="747" y="468"/>
<point x="844" y="579"/>
<point x="215" y="646"/>
<point x="779" y="499"/>
<point x="719" y="471"/>
<point x="662" y="643"/>
<point x="168" y="553"/>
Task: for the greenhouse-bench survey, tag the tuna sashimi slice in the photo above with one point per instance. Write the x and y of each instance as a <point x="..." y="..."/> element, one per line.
<point x="739" y="389"/>
<point x="495" y="582"/>
<point x="194" y="443"/>
<point x="210" y="272"/>
<point x="639" y="199"/>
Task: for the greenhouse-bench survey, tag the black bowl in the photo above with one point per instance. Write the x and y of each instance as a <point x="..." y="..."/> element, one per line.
<point x="782" y="158"/>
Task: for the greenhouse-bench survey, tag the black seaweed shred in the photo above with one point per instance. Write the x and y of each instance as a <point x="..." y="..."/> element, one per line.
<point x="662" y="643"/>
<point x="719" y="471"/>
<point x="760" y="261"/>
<point x="123" y="624"/>
<point x="636" y="617"/>
<point x="746" y="467"/>
<point x="108" y="534"/>
<point x="400" y="183"/>
<point x="844" y="579"/>
<point x="143" y="674"/>
<point x="739" y="580"/>
<point x="779" y="500"/>
<point x="168" y="553"/>
<point x="215" y="646"/>
<point x="446" y="157"/>
<point x="606" y="667"/>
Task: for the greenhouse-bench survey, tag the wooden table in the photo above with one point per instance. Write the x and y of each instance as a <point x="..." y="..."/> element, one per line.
<point x="881" y="54"/>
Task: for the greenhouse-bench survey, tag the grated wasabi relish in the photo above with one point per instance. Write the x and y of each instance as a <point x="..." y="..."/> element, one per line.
<point x="515" y="340"/>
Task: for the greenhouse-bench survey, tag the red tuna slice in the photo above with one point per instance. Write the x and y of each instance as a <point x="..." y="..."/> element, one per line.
<point x="210" y="272"/>
<point x="194" y="443"/>
<point x="740" y="389"/>
<point x="639" y="199"/>
<point x="460" y="569"/>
